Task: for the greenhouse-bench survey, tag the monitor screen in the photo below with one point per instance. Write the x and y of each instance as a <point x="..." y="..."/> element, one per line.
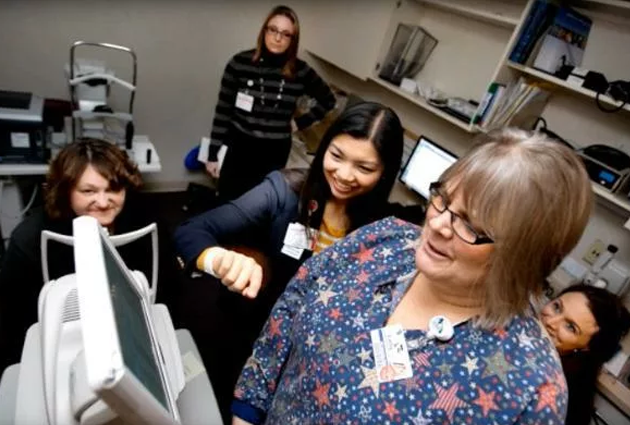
<point x="425" y="165"/>
<point x="133" y="332"/>
<point x="123" y="362"/>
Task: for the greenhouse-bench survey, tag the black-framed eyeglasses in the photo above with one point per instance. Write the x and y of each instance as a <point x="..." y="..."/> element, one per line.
<point x="461" y="227"/>
<point x="286" y="35"/>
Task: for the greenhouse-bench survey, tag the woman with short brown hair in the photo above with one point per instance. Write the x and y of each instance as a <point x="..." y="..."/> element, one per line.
<point x="88" y="177"/>
<point x="66" y="170"/>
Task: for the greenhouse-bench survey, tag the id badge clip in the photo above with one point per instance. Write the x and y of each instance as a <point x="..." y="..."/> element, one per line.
<point x="440" y="328"/>
<point x="296" y="240"/>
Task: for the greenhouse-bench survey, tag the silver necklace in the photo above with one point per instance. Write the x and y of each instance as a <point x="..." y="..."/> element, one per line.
<point x="261" y="80"/>
<point x="262" y="92"/>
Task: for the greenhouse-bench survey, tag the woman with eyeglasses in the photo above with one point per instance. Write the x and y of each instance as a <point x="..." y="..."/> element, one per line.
<point x="257" y="100"/>
<point x="400" y="324"/>
<point x="90" y="177"/>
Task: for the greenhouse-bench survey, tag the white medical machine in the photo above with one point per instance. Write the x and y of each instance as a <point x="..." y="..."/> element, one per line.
<point x="107" y="354"/>
<point x="91" y="83"/>
<point x="122" y="362"/>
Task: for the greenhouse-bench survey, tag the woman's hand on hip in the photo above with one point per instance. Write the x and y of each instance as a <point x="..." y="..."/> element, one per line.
<point x="212" y="167"/>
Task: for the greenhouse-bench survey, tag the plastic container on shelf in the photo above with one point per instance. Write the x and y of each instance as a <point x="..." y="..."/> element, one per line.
<point x="411" y="47"/>
<point x="599" y="264"/>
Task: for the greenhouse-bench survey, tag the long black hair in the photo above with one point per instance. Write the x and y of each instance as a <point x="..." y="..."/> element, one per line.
<point x="613" y="320"/>
<point x="376" y="124"/>
<point x="582" y="367"/>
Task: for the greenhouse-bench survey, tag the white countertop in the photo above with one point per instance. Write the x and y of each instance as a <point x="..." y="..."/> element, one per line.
<point x="141" y="144"/>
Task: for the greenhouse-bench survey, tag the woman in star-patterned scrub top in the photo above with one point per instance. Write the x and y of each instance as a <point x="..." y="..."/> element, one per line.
<point x="349" y="341"/>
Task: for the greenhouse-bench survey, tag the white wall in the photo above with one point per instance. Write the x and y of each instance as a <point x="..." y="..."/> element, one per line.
<point x="574" y="117"/>
<point x="458" y="66"/>
<point x="414" y="118"/>
<point x="182" y="48"/>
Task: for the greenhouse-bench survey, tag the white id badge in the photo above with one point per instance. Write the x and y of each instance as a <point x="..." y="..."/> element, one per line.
<point x="244" y="101"/>
<point x="296" y="236"/>
<point x="391" y="357"/>
<point x="292" y="251"/>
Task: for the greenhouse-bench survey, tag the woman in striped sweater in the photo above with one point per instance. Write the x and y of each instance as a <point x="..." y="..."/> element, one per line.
<point x="257" y="99"/>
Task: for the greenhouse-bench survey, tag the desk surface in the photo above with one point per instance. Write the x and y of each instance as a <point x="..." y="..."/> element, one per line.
<point x="196" y="403"/>
<point x="139" y="154"/>
<point x="614" y="391"/>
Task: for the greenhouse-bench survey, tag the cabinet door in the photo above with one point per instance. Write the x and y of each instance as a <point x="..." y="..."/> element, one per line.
<point x="347" y="34"/>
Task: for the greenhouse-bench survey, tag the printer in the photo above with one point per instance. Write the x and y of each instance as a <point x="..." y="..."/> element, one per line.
<point x="23" y="134"/>
<point x="607" y="166"/>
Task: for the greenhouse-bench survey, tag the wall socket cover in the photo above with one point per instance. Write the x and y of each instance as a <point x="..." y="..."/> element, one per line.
<point x="594" y="251"/>
<point x="568" y="273"/>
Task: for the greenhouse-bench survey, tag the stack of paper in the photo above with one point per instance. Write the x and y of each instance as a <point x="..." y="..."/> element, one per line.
<point x="517" y="106"/>
<point x="204" y="148"/>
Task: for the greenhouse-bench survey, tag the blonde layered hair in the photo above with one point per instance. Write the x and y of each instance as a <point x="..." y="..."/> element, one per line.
<point x="533" y="197"/>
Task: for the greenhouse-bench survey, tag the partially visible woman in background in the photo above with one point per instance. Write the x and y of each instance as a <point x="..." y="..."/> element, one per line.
<point x="586" y="325"/>
<point x="257" y="100"/>
<point x="88" y="177"/>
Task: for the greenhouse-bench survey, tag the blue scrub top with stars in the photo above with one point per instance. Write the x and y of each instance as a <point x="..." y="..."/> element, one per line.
<point x="313" y="362"/>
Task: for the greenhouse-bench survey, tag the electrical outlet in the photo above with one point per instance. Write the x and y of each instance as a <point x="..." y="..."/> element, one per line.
<point x="594" y="251"/>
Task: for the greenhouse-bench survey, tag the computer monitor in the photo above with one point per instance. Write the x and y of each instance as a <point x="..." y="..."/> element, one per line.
<point x="425" y="164"/>
<point x="123" y="361"/>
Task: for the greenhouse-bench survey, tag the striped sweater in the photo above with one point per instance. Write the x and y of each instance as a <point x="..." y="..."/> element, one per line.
<point x="275" y="99"/>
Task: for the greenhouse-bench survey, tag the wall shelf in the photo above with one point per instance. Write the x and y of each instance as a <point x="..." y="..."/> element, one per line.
<point x="612" y="4"/>
<point x="423" y="104"/>
<point x="620" y="8"/>
<point x="507" y="18"/>
<point x="615" y="199"/>
<point x="605" y="100"/>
